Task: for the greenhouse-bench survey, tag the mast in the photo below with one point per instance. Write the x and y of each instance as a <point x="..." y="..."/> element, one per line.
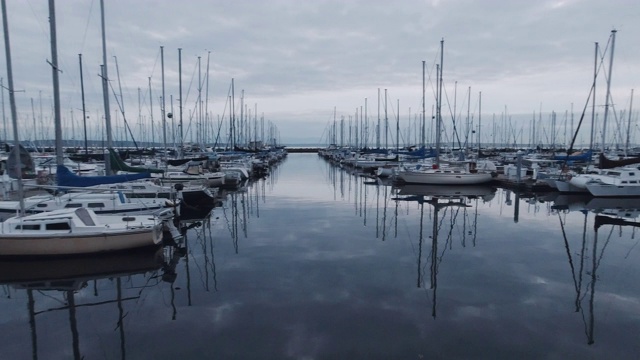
<point x="180" y="100"/>
<point x="386" y="122"/>
<point x="35" y="133"/>
<point x="164" y="119"/>
<point x="378" y="128"/>
<point x="439" y="106"/>
<point x="153" y="133"/>
<point x="12" y="103"/>
<point x="479" y="120"/>
<point x="423" y="104"/>
<point x="398" y="130"/>
<point x="366" y="124"/>
<point x="56" y="84"/>
<point x="233" y="116"/>
<point x="84" y="110"/>
<point x="206" y="103"/>
<point x="626" y="145"/>
<point x="4" y="117"/>
<point x="105" y="93"/>
<point x="593" y="97"/>
<point x="606" y="103"/>
<point x="199" y="137"/>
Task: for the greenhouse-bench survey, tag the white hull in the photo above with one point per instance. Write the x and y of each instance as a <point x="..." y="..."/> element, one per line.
<point x="79" y="231"/>
<point x="569" y="187"/>
<point x="599" y="189"/>
<point x="74" y="244"/>
<point x="439" y="177"/>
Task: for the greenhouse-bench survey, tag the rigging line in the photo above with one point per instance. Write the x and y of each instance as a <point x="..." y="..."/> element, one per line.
<point x="453" y="118"/>
<point x="84" y="37"/>
<point x="126" y="123"/>
<point x="44" y="31"/>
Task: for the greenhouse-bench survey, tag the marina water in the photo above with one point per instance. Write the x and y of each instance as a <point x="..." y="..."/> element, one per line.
<point x="315" y="262"/>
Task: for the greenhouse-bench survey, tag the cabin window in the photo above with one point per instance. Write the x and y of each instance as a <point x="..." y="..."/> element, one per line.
<point x="73" y="205"/>
<point x="128" y="218"/>
<point x="41" y="205"/>
<point x="28" y="227"/>
<point x="632" y="174"/>
<point x="58" y="226"/>
<point x="633" y="182"/>
<point x="624" y="181"/>
<point x="95" y="205"/>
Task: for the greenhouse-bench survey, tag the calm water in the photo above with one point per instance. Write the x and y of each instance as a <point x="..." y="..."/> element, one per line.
<point x="316" y="263"/>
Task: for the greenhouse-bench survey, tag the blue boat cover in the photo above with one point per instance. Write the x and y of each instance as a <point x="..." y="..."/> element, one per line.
<point x="65" y="177"/>
<point x="585" y="156"/>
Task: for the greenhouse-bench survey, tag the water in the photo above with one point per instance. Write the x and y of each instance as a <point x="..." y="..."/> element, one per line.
<point x="316" y="263"/>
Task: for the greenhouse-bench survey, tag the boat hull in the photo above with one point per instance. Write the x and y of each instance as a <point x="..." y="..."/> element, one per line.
<point x="605" y="190"/>
<point x="78" y="243"/>
<point x="437" y="178"/>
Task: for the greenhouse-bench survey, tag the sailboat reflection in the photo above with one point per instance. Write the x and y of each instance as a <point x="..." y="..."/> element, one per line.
<point x="452" y="201"/>
<point x="605" y="211"/>
<point x="63" y="279"/>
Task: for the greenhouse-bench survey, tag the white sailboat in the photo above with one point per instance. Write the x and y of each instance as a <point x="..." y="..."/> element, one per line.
<point x="437" y="175"/>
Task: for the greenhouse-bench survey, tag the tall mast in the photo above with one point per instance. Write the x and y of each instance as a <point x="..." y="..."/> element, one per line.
<point x="12" y="103"/>
<point x="164" y="119"/>
<point x="398" y="128"/>
<point x="593" y="97"/>
<point x="378" y="127"/>
<point x="84" y="110"/>
<point x="366" y="124"/>
<point x="386" y="121"/>
<point x="439" y="106"/>
<point x="233" y="116"/>
<point x="606" y="103"/>
<point x="479" y="120"/>
<point x="206" y="102"/>
<point x="105" y="92"/>
<point x="140" y="115"/>
<point x="180" y="100"/>
<point x="199" y="127"/>
<point x="56" y="83"/>
<point x="153" y="133"/>
<point x="4" y="117"/>
<point x="423" y="104"/>
<point x="35" y="135"/>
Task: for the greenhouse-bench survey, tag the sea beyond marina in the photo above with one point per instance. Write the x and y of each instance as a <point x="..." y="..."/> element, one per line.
<point x="315" y="261"/>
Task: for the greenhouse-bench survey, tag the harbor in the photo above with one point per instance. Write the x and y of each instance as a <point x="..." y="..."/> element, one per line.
<point x="319" y="180"/>
<point x="316" y="251"/>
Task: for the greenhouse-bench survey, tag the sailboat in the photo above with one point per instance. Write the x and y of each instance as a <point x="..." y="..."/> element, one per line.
<point x="70" y="231"/>
<point x="437" y="175"/>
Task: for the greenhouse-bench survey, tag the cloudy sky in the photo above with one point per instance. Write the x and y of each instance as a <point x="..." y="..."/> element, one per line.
<point x="297" y="60"/>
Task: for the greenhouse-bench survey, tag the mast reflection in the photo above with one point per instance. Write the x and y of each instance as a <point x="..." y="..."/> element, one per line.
<point x="452" y="202"/>
<point x="62" y="280"/>
<point x="617" y="213"/>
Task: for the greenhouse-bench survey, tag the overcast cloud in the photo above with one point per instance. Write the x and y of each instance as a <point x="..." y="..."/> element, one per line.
<point x="298" y="59"/>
